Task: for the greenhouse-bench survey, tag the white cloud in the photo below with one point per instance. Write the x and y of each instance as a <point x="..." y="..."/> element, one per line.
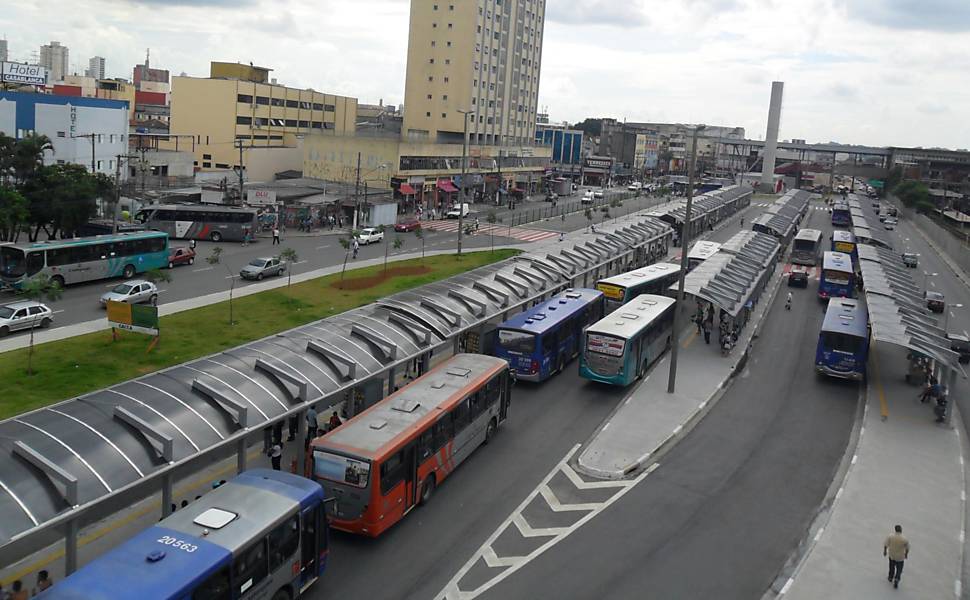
<point x="863" y="71"/>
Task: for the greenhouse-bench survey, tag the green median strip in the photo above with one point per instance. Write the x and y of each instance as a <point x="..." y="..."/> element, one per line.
<point x="71" y="367"/>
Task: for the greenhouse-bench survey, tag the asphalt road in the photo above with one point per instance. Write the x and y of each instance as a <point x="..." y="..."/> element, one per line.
<point x="729" y="502"/>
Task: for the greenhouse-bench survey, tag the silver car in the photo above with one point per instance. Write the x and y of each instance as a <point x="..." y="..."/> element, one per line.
<point x="135" y="291"/>
<point x="24" y="315"/>
<point x="263" y="267"/>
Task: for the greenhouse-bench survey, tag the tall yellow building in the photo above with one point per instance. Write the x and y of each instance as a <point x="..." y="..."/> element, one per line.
<point x="239" y="103"/>
<point x="482" y="57"/>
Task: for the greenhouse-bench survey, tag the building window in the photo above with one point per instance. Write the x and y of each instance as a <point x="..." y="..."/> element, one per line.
<point x="304" y="124"/>
<point x="206" y="165"/>
<point x="222" y="166"/>
<point x="277" y="102"/>
<point x="450" y="25"/>
<point x="60" y="161"/>
<point x="427" y="114"/>
<point x="448" y="44"/>
<point x="430" y="78"/>
<point x="451" y="7"/>
<point x="244" y="99"/>
<point x="262" y="100"/>
<point x="445" y="97"/>
<point x="434" y="26"/>
<point x="291" y="122"/>
<point x="429" y="96"/>
<point x="316" y="125"/>
<point x="206" y="157"/>
<point x="61" y="134"/>
<point x="244" y="120"/>
<point x="99" y="165"/>
<point x="446" y="80"/>
<point x="329" y="108"/>
<point x="433" y="43"/>
<point x="447" y="61"/>
<point x="435" y="7"/>
<point x="317" y="106"/>
<point x="444" y="115"/>
<point x="431" y="61"/>
<point x="292" y="104"/>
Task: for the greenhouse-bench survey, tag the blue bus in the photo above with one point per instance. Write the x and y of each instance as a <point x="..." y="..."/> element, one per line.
<point x="843" y="343"/>
<point x="77" y="260"/>
<point x="538" y="342"/>
<point x="619" y="348"/>
<point x="837" y="279"/>
<point x="654" y="279"/>
<point x="844" y="242"/>
<point x="262" y="535"/>
<point x="841" y="215"/>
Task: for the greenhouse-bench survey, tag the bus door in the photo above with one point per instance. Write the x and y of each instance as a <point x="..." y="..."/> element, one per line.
<point x="503" y="407"/>
<point x="309" y="543"/>
<point x="411" y="476"/>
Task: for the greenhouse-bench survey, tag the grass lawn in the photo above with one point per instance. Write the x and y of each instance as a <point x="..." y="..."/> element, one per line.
<point x="71" y="367"/>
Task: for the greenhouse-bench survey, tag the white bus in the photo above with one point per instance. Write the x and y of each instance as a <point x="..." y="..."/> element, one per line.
<point x="653" y="279"/>
<point x="807" y="247"/>
<point x="700" y="252"/>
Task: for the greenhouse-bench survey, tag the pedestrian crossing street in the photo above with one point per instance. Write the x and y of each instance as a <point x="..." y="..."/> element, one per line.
<point x="518" y="233"/>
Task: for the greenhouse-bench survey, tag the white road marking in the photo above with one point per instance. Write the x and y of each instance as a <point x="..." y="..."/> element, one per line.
<point x="202" y="269"/>
<point x="57" y="312"/>
<point x="299" y="262"/>
<point x="323" y="247"/>
<point x="933" y="283"/>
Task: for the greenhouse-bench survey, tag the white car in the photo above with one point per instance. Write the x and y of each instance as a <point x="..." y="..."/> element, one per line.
<point x="458" y="211"/>
<point x="24" y="315"/>
<point x="598" y="193"/>
<point x="135" y="291"/>
<point x="370" y="235"/>
<point x="587" y="197"/>
<point x="889" y="223"/>
<point x="634" y="187"/>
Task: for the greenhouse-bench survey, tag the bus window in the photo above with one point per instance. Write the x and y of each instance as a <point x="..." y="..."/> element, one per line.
<point x="283" y="542"/>
<point x="517" y="341"/>
<point x="443" y="432"/>
<point x="216" y="587"/>
<point x="841" y="342"/>
<point x="475" y="405"/>
<point x="35" y="262"/>
<point x="250" y="568"/>
<point x="425" y="445"/>
<point x="460" y="416"/>
<point x="392" y="472"/>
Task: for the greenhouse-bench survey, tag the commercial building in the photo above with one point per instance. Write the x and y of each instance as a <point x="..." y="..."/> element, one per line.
<point x="54" y="58"/>
<point x="620" y="140"/>
<point x="96" y="67"/>
<point x="947" y="171"/>
<point x="566" y="145"/>
<point x="481" y="58"/>
<point x="91" y="132"/>
<point x="239" y="104"/>
<point x="88" y="87"/>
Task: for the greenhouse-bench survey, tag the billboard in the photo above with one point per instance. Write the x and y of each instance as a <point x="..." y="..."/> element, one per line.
<point x="139" y="318"/>
<point x="11" y="72"/>
<point x="261" y="197"/>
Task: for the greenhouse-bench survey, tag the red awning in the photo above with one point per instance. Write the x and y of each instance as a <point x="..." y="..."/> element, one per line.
<point x="446" y="185"/>
<point x="406" y="189"/>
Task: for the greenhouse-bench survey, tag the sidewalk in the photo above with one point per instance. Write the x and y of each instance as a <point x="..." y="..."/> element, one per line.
<point x="650" y="420"/>
<point x="906" y="470"/>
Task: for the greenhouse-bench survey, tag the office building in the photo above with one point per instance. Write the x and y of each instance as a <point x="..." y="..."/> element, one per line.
<point x="240" y="104"/>
<point x="54" y="57"/>
<point x="96" y="67"/>
<point x="91" y="132"/>
<point x="481" y="57"/>
<point x="566" y="145"/>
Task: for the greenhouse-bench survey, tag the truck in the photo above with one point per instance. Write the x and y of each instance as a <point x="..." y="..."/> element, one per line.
<point x="458" y="211"/>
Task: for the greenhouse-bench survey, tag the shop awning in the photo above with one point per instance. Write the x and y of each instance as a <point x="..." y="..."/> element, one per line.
<point x="445" y="185"/>
<point x="406" y="189"/>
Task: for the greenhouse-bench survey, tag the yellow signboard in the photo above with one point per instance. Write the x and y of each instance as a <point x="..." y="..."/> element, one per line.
<point x="133" y="317"/>
<point x="613" y="292"/>
<point x="846" y="247"/>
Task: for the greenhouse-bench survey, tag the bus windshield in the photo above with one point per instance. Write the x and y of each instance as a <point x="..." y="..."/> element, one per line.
<point x="517" y="341"/>
<point x="836" y="277"/>
<point x="12" y="261"/>
<point x="805" y="245"/>
<point x="841" y="342"/>
<point x="341" y="469"/>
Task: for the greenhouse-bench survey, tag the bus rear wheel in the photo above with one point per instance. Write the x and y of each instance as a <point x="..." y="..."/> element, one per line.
<point x="58" y="281"/>
<point x="281" y="595"/>
<point x="427" y="489"/>
<point x="215" y="236"/>
<point x="489" y="431"/>
<point x="129" y="272"/>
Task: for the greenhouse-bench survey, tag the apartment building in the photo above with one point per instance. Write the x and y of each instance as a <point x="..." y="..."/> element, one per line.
<point x="54" y="57"/>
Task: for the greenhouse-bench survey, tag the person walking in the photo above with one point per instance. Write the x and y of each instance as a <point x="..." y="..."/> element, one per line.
<point x="245" y="237"/>
<point x="276" y="454"/>
<point x="896" y="548"/>
<point x="562" y="236"/>
<point x="708" y="326"/>
<point x="276" y="235"/>
<point x="311" y="422"/>
<point x="192" y="244"/>
<point x="356" y="247"/>
<point x="699" y="319"/>
<point x="788" y="302"/>
<point x="334" y="421"/>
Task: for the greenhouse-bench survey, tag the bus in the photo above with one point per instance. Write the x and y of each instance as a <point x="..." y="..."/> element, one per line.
<point x="838" y="277"/>
<point x="843" y="343"/>
<point x="390" y="458"/>
<point x="619" y="348"/>
<point x="844" y="241"/>
<point x="700" y="252"/>
<point x="654" y="279"/>
<point x="807" y="247"/>
<point x="262" y="535"/>
<point x="539" y="342"/>
<point x="66" y="262"/>
<point x="200" y="221"/>
<point x="841" y="215"/>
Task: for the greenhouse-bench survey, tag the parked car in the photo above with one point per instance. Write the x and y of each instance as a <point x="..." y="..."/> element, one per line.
<point x="961" y="345"/>
<point x="598" y="193"/>
<point x="588" y="197"/>
<point x="408" y="225"/>
<point x="370" y="235"/>
<point x="180" y="256"/>
<point x="134" y="291"/>
<point x="24" y="315"/>
<point x="263" y="267"/>
<point x="798" y="277"/>
<point x="935" y="301"/>
<point x="910" y="259"/>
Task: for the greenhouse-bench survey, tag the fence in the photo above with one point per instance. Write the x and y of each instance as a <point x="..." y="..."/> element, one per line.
<point x="630" y="203"/>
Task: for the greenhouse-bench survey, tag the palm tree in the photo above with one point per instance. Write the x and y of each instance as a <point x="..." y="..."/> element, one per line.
<point x="38" y="289"/>
<point x="28" y="156"/>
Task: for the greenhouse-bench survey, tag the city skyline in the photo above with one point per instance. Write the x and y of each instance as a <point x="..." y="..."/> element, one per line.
<point x="846" y="79"/>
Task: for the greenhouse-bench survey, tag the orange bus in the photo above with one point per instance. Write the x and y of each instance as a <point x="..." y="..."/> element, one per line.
<point x="388" y="459"/>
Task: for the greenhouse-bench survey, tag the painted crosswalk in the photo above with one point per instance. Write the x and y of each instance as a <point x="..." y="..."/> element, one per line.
<point x="518" y="233"/>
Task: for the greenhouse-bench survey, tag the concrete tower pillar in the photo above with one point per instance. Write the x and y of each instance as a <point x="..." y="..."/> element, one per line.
<point x="771" y="138"/>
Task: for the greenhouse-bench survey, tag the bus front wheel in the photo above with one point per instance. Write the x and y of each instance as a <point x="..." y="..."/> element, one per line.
<point x="281" y="595"/>
<point x="427" y="489"/>
<point x="490" y="431"/>
<point x="129" y="272"/>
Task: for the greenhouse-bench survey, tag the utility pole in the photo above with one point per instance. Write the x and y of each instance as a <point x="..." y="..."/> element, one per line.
<point x="241" y="195"/>
<point x="357" y="200"/>
<point x="684" y="244"/>
<point x="92" y="137"/>
<point x="117" y="202"/>
<point x="462" y="188"/>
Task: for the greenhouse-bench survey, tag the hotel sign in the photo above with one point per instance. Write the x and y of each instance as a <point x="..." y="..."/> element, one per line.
<point x="11" y="72"/>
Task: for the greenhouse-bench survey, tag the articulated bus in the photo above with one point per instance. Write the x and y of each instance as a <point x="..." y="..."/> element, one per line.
<point x="539" y="342"/>
<point x="844" y="242"/>
<point x="838" y="277"/>
<point x="262" y="535"/>
<point x="700" y="252"/>
<point x="843" y="343"/>
<point x="77" y="260"/>
<point x="841" y="215"/>
<point x="391" y="457"/>
<point x="807" y="247"/>
<point x="620" y="289"/>
<point x="200" y="221"/>
<point x="619" y="348"/>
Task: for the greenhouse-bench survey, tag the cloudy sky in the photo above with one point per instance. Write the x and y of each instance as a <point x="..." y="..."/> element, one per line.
<point x="879" y="72"/>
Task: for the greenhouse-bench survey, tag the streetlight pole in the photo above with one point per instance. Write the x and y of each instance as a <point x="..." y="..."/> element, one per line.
<point x="463" y="187"/>
<point x="684" y="244"/>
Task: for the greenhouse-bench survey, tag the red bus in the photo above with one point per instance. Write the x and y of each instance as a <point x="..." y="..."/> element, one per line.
<point x="388" y="459"/>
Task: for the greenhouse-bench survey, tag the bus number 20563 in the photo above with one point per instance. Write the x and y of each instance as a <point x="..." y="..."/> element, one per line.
<point x="177" y="543"/>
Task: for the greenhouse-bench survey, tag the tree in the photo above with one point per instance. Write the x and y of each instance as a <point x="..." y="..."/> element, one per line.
<point x="38" y="289"/>
<point x="61" y="198"/>
<point x="157" y="276"/>
<point x="894" y="178"/>
<point x="215" y="258"/>
<point x="398" y="244"/>
<point x="346" y="243"/>
<point x="290" y="257"/>
<point x="28" y="156"/>
<point x="13" y="213"/>
<point x="912" y="193"/>
<point x="491" y="218"/>
<point x="419" y="233"/>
